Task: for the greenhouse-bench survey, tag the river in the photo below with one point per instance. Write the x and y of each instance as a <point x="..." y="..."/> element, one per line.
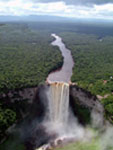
<point x="65" y="73"/>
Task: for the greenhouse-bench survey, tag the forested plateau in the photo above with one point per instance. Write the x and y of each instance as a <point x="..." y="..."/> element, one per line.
<point x="27" y="57"/>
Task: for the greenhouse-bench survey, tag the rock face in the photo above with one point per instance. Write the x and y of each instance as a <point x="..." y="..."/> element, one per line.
<point x="21" y="94"/>
<point x="86" y="106"/>
<point x="81" y="101"/>
<point x="40" y="102"/>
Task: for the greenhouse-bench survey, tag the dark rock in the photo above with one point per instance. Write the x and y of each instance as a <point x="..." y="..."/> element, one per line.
<point x="83" y="103"/>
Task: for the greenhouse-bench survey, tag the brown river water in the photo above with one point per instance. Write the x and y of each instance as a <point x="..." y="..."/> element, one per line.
<point x="65" y="73"/>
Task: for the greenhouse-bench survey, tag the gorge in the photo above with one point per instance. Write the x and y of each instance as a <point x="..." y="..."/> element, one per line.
<point x="62" y="100"/>
<point x="61" y="111"/>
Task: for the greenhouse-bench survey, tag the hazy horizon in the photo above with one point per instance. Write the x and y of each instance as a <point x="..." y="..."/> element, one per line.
<point x="87" y="9"/>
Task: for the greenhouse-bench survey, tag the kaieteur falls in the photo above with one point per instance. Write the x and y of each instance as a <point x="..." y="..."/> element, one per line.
<point x="59" y="114"/>
<point x="58" y="91"/>
<point x="58" y="96"/>
<point x="60" y="122"/>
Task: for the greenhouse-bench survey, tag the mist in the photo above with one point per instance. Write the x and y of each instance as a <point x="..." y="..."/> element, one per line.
<point x="64" y="128"/>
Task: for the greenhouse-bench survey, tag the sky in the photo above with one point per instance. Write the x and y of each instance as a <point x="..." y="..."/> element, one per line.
<point x="98" y="9"/>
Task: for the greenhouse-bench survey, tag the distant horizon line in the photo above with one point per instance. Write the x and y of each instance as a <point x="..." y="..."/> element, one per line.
<point x="64" y="17"/>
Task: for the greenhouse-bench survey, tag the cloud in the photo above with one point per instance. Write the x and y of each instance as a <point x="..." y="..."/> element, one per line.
<point x="56" y="8"/>
<point x="71" y="2"/>
<point x="79" y="2"/>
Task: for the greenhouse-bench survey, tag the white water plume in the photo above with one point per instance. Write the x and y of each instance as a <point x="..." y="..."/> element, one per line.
<point x="62" y="125"/>
<point x="59" y="102"/>
<point x="106" y="140"/>
<point x="60" y="118"/>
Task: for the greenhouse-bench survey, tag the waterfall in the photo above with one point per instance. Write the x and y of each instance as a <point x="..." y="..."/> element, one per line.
<point x="58" y="96"/>
<point x="59" y="118"/>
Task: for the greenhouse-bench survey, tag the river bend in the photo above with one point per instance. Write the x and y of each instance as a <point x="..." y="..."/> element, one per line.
<point x="65" y="73"/>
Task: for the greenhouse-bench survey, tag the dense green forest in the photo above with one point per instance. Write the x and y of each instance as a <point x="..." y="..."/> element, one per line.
<point x="26" y="58"/>
<point x="93" y="69"/>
